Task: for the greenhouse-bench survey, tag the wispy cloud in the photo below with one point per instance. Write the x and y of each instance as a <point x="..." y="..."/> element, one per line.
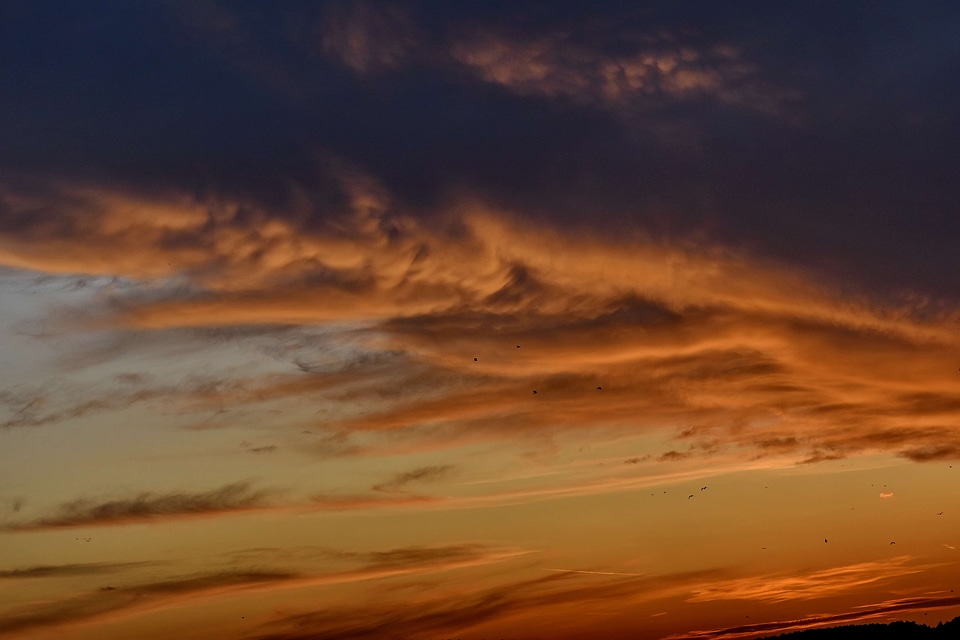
<point x="629" y="67"/>
<point x="144" y="507"/>
<point x="469" y="610"/>
<point x="818" y="584"/>
<point x="561" y="64"/>
<point x="866" y="612"/>
<point x="64" y="570"/>
<point x="369" y="37"/>
<point x="365" y="501"/>
<point x="423" y="474"/>
<point x="113" y="603"/>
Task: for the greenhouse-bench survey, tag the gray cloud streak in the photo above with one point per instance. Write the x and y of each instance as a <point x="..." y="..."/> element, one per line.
<point x="239" y="496"/>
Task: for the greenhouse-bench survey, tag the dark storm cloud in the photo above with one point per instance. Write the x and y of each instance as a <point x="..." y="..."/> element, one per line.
<point x="86" y="512"/>
<point x="441" y="196"/>
<point x="757" y="127"/>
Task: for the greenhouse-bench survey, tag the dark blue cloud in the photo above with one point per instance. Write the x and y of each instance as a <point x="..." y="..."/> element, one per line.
<point x="837" y="152"/>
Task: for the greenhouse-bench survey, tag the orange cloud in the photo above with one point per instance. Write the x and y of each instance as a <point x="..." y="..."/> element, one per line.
<point x="622" y="333"/>
<point x="564" y="63"/>
<point x="818" y="584"/>
<point x="527" y="599"/>
<point x="868" y="612"/>
<point x="115" y="603"/>
<point x="558" y="65"/>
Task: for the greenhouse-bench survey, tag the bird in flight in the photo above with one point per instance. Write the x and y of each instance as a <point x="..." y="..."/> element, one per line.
<point x="534" y="392"/>
<point x="824" y="539"/>
<point x="689" y="496"/>
<point x="893" y="543"/>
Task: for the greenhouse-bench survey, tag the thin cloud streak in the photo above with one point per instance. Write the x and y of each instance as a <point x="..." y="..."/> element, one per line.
<point x="146" y="507"/>
<point x="866" y="612"/>
<point x="106" y="604"/>
<point x="65" y="570"/>
<point x="116" y="603"/>
<point x="423" y="474"/>
<point x="467" y="611"/>
<point x="815" y="585"/>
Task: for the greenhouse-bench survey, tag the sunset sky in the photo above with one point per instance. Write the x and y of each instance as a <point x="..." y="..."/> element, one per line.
<point x="538" y="320"/>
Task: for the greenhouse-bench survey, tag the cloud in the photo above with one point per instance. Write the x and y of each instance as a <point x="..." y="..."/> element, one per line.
<point x="628" y="66"/>
<point x="439" y="616"/>
<point x="110" y="603"/>
<point x="818" y="584"/>
<point x="364" y="501"/>
<point x="417" y="556"/>
<point x="65" y="570"/>
<point x="146" y="507"/>
<point x="369" y="37"/>
<point x="661" y="70"/>
<point x="41" y="409"/>
<point x="933" y="452"/>
<point x="270" y="448"/>
<point x="674" y="334"/>
<point x="867" y="612"/>
<point x="423" y="474"/>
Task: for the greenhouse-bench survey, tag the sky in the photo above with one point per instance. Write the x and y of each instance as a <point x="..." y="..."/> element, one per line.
<point x="517" y="319"/>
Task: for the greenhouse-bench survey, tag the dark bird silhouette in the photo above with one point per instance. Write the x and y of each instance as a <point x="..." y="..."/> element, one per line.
<point x="534" y="392"/>
<point x="518" y="346"/>
<point x="689" y="496"/>
<point x="940" y="514"/>
<point x="599" y="388"/>
<point x="703" y="488"/>
<point x="824" y="539"/>
<point x="893" y="543"/>
<point x="474" y="359"/>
